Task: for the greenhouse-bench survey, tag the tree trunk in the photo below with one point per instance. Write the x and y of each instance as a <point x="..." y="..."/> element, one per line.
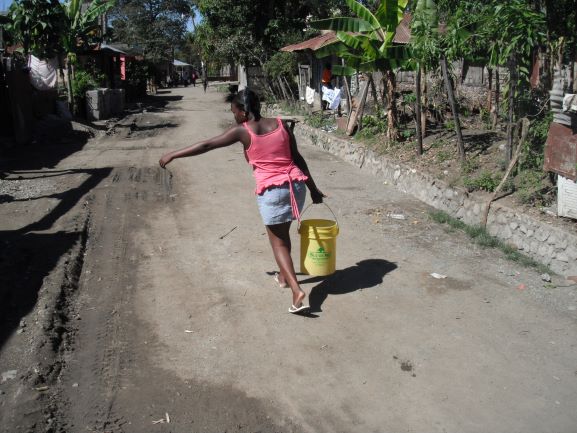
<point x="358" y="111"/>
<point x="454" y="107"/>
<point x="550" y="63"/>
<point x="425" y="103"/>
<point x="348" y="90"/>
<point x="62" y="78"/>
<point x="511" y="114"/>
<point x="497" y="99"/>
<point x="283" y="90"/>
<point x="392" y="117"/>
<point x="418" y="108"/>
<point x="490" y="90"/>
<point x="373" y="90"/>
<point x="270" y="88"/>
<point x="278" y="90"/>
<point x="574" y="73"/>
<point x="349" y="99"/>
<point x="524" y="125"/>
<point x="292" y="95"/>
<point x="69" y="84"/>
<point x="574" y="61"/>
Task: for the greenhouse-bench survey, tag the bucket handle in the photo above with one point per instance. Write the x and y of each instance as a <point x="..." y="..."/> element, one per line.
<point x="306" y="208"/>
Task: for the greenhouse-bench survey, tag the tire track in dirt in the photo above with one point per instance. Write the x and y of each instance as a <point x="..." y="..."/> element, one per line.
<point x="103" y="353"/>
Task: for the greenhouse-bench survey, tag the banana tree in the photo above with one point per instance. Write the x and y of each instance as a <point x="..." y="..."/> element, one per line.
<point x="365" y="43"/>
<point x="81" y="26"/>
<point x="37" y="25"/>
<point x="514" y="33"/>
<point x="434" y="48"/>
<point x="425" y="51"/>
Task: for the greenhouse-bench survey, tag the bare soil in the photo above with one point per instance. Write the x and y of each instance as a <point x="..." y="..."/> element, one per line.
<point x="135" y="299"/>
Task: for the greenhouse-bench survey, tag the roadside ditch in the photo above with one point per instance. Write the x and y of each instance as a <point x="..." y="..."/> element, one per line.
<point x="541" y="237"/>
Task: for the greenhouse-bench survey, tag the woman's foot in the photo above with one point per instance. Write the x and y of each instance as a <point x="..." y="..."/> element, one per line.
<point x="280" y="280"/>
<point x="301" y="309"/>
<point x="298" y="305"/>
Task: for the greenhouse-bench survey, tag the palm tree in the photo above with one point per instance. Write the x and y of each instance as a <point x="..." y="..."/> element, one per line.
<point x="366" y="44"/>
<point x="80" y="25"/>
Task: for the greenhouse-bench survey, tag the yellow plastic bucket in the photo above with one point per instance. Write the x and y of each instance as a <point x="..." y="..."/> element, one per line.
<point x="318" y="246"/>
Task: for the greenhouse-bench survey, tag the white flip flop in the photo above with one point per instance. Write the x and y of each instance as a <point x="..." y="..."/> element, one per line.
<point x="301" y="309"/>
<point x="276" y="278"/>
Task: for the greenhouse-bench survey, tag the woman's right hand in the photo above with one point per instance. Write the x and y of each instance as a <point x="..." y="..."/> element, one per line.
<point x="165" y="160"/>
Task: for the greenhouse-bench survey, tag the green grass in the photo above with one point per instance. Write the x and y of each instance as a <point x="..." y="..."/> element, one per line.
<point x="439" y="143"/>
<point x="481" y="237"/>
<point x="443" y="156"/>
<point x="469" y="166"/>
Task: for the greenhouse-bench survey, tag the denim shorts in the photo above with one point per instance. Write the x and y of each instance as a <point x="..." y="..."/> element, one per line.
<point x="274" y="203"/>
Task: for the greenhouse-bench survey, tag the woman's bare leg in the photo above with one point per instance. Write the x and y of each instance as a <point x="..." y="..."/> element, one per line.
<point x="279" y="237"/>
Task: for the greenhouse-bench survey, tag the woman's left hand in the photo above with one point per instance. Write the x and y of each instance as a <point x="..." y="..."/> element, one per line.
<point x="317" y="196"/>
<point x="165" y="160"/>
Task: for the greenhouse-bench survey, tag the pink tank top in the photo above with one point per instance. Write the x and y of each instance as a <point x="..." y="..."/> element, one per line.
<point x="271" y="158"/>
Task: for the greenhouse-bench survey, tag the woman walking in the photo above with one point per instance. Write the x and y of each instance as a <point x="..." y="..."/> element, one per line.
<point x="281" y="175"/>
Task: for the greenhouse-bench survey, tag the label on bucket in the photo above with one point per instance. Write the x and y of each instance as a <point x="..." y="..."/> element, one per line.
<point x="320" y="255"/>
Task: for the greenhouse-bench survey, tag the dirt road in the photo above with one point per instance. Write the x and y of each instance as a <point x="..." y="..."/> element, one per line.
<point x="152" y="308"/>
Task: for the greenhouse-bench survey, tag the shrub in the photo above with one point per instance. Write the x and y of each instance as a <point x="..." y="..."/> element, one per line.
<point x="375" y="124"/>
<point x="83" y="82"/>
<point x="317" y="120"/>
<point x="281" y="64"/>
<point x="469" y="166"/>
<point x="530" y="187"/>
<point x="533" y="153"/>
<point x="486" y="181"/>
<point x="407" y="133"/>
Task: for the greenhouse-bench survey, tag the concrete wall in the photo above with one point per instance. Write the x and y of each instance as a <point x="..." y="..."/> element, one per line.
<point x="104" y="103"/>
<point x="542" y="241"/>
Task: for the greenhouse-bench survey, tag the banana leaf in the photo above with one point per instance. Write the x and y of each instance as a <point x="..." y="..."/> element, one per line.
<point x="363" y="13"/>
<point x="343" y="24"/>
<point x="390" y="13"/>
<point x="337" y="49"/>
<point x="344" y="71"/>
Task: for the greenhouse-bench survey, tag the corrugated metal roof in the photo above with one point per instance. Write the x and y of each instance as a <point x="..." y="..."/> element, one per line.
<point x="403" y="33"/>
<point x="105" y="47"/>
<point x="314" y="43"/>
<point x="402" y="37"/>
<point x="176" y="62"/>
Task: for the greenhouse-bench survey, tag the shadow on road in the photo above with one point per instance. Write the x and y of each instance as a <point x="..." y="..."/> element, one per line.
<point x="479" y="143"/>
<point x="154" y="103"/>
<point x="25" y="262"/>
<point x="28" y="257"/>
<point x="365" y="274"/>
<point x="44" y="154"/>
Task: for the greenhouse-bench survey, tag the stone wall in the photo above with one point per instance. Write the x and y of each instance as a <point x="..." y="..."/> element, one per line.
<point x="542" y="241"/>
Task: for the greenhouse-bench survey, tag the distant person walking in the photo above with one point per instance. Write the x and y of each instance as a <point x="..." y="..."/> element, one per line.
<point x="281" y="175"/>
<point x="193" y="78"/>
<point x="327" y="76"/>
<point x="326" y="81"/>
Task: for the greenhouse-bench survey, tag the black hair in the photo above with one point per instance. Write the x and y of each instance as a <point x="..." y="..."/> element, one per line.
<point x="249" y="102"/>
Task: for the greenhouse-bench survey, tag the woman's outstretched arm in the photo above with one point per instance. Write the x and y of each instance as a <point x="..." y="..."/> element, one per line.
<point x="227" y="138"/>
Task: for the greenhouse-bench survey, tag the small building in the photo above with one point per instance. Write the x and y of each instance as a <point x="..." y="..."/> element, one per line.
<point x="310" y="67"/>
